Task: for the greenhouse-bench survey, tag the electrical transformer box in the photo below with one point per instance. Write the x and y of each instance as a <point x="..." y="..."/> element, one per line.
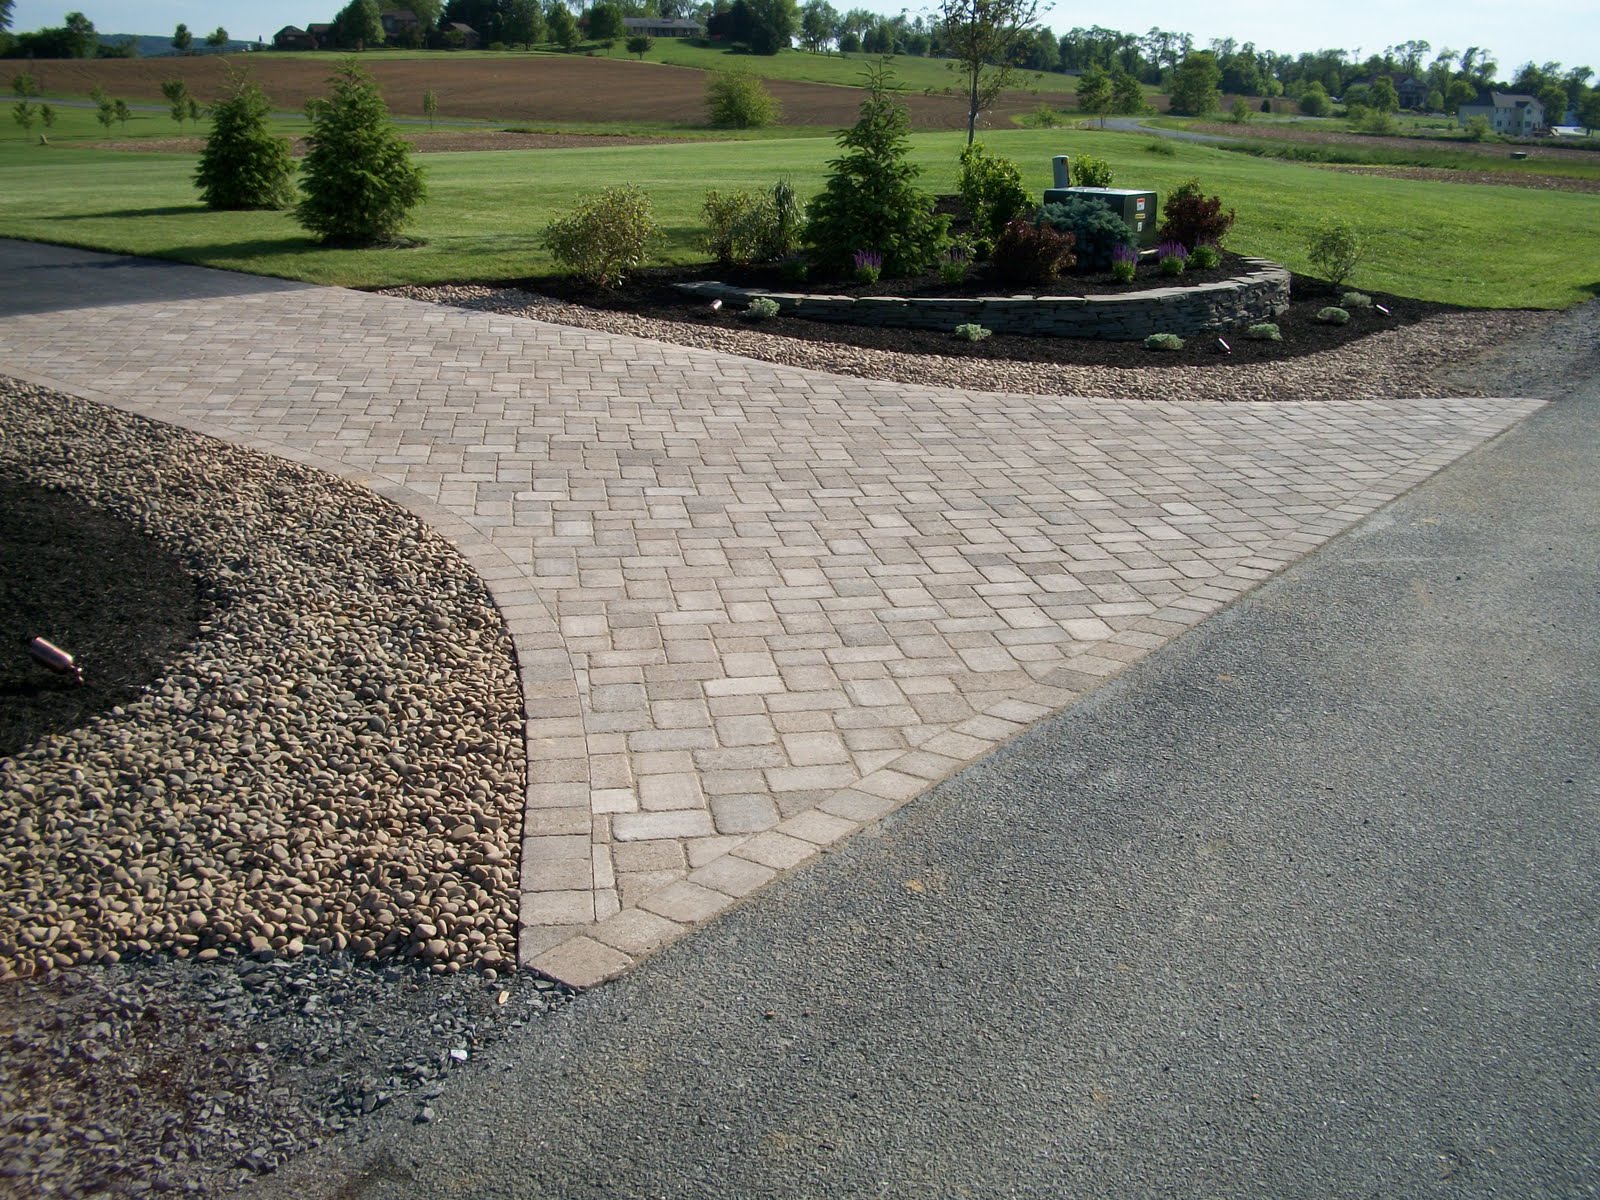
<point x="1137" y="208"/>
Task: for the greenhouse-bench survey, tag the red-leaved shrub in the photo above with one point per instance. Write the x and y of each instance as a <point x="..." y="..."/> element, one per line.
<point x="1029" y="253"/>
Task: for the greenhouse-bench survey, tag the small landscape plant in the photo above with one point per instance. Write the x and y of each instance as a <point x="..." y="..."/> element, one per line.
<point x="991" y="188"/>
<point x="739" y="100"/>
<point x="972" y="332"/>
<point x="1266" y="331"/>
<point x="740" y="226"/>
<point x="357" y="181"/>
<point x="243" y="166"/>
<point x="1089" y="171"/>
<point x="1163" y="341"/>
<point x="1043" y="117"/>
<point x="1355" y="300"/>
<point x="794" y="268"/>
<point x="1171" y="258"/>
<point x="1204" y="256"/>
<point x="1162" y="148"/>
<point x="1191" y="217"/>
<point x="1032" y="252"/>
<point x="1124" y="263"/>
<point x="1334" y="250"/>
<point x="1096" y="230"/>
<point x="868" y="266"/>
<point x="761" y="308"/>
<point x="606" y="236"/>
<point x="956" y="264"/>
<point x="1334" y="316"/>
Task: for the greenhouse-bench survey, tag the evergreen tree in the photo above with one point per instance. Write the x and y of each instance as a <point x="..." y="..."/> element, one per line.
<point x="243" y="166"/>
<point x="871" y="201"/>
<point x="358" y="182"/>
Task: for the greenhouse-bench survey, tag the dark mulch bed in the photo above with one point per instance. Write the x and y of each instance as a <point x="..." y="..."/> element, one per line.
<point x="93" y="585"/>
<point x="649" y="293"/>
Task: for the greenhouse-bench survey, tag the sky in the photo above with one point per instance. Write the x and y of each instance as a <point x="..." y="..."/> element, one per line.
<point x="1566" y="31"/>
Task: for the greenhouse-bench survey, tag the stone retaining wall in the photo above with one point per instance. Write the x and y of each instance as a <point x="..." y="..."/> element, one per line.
<point x="1260" y="294"/>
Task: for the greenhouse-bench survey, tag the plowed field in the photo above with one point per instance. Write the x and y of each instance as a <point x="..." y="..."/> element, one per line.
<point x="513" y="88"/>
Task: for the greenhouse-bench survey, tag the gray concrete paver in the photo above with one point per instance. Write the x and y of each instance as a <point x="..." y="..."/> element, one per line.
<point x="754" y="607"/>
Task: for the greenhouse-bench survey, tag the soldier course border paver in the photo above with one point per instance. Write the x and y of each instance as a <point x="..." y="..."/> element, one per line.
<point x="755" y="608"/>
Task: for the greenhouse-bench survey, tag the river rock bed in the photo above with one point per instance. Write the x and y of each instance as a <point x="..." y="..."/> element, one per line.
<point x="335" y="763"/>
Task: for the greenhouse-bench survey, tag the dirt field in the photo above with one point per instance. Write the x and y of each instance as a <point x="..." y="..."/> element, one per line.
<point x="1290" y="133"/>
<point x="425" y="141"/>
<point x="516" y="88"/>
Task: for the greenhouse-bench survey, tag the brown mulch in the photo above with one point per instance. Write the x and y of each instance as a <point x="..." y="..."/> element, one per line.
<point x="429" y="141"/>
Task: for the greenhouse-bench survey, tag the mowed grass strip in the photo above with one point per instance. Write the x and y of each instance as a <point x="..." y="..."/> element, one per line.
<point x="1482" y="246"/>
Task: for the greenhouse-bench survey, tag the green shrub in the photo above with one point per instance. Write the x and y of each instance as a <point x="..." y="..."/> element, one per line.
<point x="1096" y="230"/>
<point x="1163" y="341"/>
<point x="739" y="100"/>
<point x="741" y="227"/>
<point x="1334" y="316"/>
<point x="1266" y="331"/>
<point x="1355" y="300"/>
<point x="871" y="198"/>
<point x="761" y="308"/>
<point x="1089" y="171"/>
<point x="794" y="269"/>
<point x="1334" y="250"/>
<point x="243" y="166"/>
<point x="606" y="236"/>
<point x="1204" y="256"/>
<point x="788" y="218"/>
<point x="1191" y="217"/>
<point x="1043" y="117"/>
<point x="957" y="263"/>
<point x="1478" y="129"/>
<point x="1161" y="147"/>
<point x="357" y="180"/>
<point x="972" y="333"/>
<point x="992" y="189"/>
<point x="1030" y="252"/>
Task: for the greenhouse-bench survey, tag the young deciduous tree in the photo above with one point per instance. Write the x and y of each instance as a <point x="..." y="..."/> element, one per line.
<point x="605" y="24"/>
<point x="217" y="38"/>
<point x="1094" y="93"/>
<point x="1194" y="84"/>
<point x="176" y="92"/>
<point x="243" y="166"/>
<point x="640" y="45"/>
<point x="124" y="113"/>
<point x="359" y="25"/>
<point x="182" y="39"/>
<point x="986" y="39"/>
<point x="358" y="182"/>
<point x="563" y="28"/>
<point x="430" y="106"/>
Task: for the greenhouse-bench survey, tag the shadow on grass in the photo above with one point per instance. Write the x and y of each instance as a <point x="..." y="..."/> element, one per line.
<point x="170" y="210"/>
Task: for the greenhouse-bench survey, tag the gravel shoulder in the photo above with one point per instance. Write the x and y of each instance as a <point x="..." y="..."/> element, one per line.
<point x="1389" y="363"/>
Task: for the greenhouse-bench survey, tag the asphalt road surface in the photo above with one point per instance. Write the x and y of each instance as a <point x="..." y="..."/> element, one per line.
<point x="1302" y="906"/>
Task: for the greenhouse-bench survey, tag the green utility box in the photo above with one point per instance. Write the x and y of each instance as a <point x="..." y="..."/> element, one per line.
<point x="1137" y="208"/>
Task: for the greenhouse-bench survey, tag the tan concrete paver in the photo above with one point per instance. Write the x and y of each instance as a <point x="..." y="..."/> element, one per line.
<point x="754" y="607"/>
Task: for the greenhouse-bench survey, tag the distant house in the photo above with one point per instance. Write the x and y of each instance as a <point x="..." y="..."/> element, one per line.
<point x="398" y="22"/>
<point x="1409" y="91"/>
<point x="662" y="27"/>
<point x="1519" y="116"/>
<point x="322" y="33"/>
<point x="292" y="37"/>
<point x="454" y="32"/>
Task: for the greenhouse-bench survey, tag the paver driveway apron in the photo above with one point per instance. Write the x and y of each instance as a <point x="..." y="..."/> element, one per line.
<point x="754" y="607"/>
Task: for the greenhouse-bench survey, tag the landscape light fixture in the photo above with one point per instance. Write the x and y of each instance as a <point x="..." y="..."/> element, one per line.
<point x="1223" y="347"/>
<point x="50" y="655"/>
<point x="1381" y="309"/>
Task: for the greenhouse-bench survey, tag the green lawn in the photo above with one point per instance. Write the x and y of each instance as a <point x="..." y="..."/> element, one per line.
<point x="1485" y="246"/>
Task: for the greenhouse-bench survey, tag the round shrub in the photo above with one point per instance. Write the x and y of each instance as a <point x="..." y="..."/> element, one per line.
<point x="1095" y="229"/>
<point x="1334" y="316"/>
<point x="606" y="236"/>
<point x="972" y="332"/>
<point x="739" y="100"/>
<point x="761" y="308"/>
<point x="991" y="188"/>
<point x="1191" y="217"/>
<point x="1204" y="256"/>
<point x="1163" y="341"/>
<point x="1355" y="300"/>
<point x="1266" y="331"/>
<point x="1089" y="171"/>
<point x="1031" y="253"/>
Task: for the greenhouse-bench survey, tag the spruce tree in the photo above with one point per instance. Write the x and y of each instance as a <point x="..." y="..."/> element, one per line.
<point x="358" y="182"/>
<point x="243" y="166"/>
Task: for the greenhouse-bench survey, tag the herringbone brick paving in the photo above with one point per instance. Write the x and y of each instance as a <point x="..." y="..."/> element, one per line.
<point x="754" y="607"/>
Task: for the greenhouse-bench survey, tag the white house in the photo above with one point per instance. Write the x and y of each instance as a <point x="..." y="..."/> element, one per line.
<point x="1520" y="116"/>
